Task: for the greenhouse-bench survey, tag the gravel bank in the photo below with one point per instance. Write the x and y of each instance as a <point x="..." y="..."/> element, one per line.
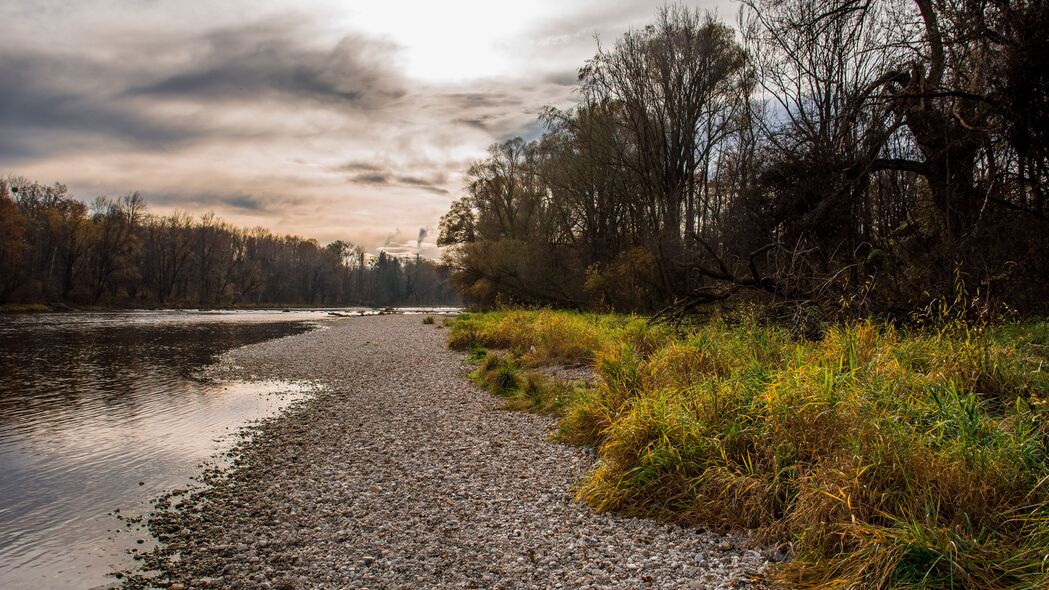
<point x="401" y="474"/>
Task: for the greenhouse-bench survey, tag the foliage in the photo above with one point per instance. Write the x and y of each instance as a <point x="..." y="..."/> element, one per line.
<point x="53" y="248"/>
<point x="888" y="457"/>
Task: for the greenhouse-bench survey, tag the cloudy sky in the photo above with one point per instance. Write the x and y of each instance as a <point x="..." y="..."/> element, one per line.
<point x="331" y="119"/>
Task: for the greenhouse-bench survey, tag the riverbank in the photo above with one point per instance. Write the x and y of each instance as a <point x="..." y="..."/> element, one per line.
<point x="883" y="456"/>
<point x="30" y="308"/>
<point x="100" y="411"/>
<point x="400" y="474"/>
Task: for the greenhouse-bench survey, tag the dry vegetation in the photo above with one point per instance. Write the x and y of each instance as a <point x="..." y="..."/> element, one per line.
<point x="888" y="457"/>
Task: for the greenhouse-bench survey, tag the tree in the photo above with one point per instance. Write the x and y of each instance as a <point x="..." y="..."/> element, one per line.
<point x="677" y="84"/>
<point x="116" y="224"/>
<point x="458" y="224"/>
<point x="74" y="233"/>
<point x="12" y="230"/>
<point x="853" y="157"/>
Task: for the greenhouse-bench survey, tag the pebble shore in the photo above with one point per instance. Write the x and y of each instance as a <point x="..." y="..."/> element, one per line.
<point x="400" y="473"/>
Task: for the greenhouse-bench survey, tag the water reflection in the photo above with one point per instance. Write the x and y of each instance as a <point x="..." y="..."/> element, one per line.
<point x="98" y="412"/>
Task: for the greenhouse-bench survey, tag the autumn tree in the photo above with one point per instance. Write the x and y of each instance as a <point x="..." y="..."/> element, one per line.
<point x="54" y="248"/>
<point x="12" y="230"/>
<point x="850" y="157"/>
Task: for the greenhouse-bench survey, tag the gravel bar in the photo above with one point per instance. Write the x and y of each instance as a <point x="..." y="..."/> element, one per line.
<point x="400" y="473"/>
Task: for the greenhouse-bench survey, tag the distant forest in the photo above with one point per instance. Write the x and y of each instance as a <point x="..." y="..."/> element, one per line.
<point x="837" y="159"/>
<point x="54" y="248"/>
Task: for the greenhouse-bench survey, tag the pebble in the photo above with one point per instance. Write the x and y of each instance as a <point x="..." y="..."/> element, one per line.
<point x="399" y="473"/>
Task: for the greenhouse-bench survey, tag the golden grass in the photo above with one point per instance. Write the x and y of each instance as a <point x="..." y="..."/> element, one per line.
<point x="890" y="458"/>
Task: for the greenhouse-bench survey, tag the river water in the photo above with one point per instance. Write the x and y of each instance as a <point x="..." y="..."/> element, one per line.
<point x="101" y="411"/>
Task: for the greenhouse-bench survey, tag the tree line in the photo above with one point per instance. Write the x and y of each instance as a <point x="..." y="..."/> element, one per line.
<point x="842" y="157"/>
<point x="55" y="248"/>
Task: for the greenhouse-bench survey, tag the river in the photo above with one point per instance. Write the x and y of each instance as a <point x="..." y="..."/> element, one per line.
<point x="102" y="411"/>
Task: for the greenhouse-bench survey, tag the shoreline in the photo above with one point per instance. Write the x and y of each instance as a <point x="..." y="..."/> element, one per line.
<point x="399" y="472"/>
<point x="35" y="308"/>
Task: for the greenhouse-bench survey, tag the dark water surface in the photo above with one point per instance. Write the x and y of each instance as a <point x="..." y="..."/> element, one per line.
<point x="93" y="404"/>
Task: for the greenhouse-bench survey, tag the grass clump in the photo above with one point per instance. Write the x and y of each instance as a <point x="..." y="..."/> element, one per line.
<point x="428" y="320"/>
<point x="529" y="391"/>
<point x="540" y="395"/>
<point x="888" y="457"/>
<point x="497" y="374"/>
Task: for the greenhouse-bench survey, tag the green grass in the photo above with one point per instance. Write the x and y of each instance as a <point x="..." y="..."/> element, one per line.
<point x="888" y="457"/>
<point x="524" y="390"/>
<point x="428" y="320"/>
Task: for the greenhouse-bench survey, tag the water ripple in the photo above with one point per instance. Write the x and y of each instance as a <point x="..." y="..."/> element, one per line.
<point x="98" y="412"/>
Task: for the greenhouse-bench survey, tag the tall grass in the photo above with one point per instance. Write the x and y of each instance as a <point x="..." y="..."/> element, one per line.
<point x="544" y="337"/>
<point x="888" y="457"/>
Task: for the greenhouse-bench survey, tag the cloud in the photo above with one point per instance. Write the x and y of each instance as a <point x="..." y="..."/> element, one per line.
<point x="485" y="100"/>
<point x="433" y="183"/>
<point x="56" y="102"/>
<point x="390" y="239"/>
<point x="563" y="78"/>
<point x="52" y="104"/>
<point x="300" y="116"/>
<point x="266" y="60"/>
<point x="358" y="166"/>
<point x="248" y="202"/>
<point x="477" y="122"/>
<point x="386" y="177"/>
<point x="371" y="178"/>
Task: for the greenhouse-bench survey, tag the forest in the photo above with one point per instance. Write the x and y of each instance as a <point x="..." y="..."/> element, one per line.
<point x="826" y="160"/>
<point x="57" y="249"/>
